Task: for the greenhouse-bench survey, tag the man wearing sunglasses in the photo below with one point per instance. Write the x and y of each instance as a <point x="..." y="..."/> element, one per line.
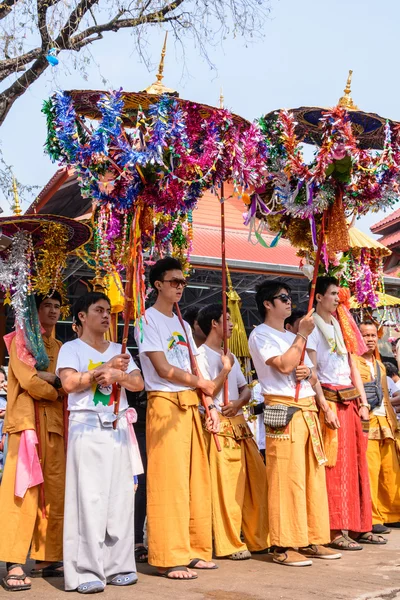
<point x="297" y="497"/>
<point x="350" y="508"/>
<point x="178" y="478"/>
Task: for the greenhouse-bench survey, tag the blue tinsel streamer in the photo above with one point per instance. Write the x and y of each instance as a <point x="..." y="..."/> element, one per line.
<point x="33" y="336"/>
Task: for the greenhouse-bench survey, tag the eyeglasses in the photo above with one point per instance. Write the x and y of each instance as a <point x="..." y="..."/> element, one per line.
<point x="175" y="283"/>
<point x="283" y="298"/>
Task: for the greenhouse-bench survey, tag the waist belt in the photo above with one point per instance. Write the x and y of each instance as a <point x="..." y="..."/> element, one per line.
<point x="344" y="395"/>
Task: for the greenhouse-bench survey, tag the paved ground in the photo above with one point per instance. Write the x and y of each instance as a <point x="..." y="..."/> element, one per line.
<point x="372" y="573"/>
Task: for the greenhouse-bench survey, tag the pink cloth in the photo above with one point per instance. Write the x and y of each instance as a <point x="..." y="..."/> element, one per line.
<point x="136" y="460"/>
<point x="29" y="472"/>
<point x="22" y="351"/>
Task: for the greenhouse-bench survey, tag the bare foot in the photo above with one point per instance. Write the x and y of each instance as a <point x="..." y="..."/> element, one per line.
<point x="18" y="571"/>
<point x="202" y="564"/>
<point x="184" y="574"/>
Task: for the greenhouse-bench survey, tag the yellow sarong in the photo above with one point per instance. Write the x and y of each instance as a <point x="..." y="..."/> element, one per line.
<point x="238" y="488"/>
<point x="178" y="481"/>
<point x="383" y="454"/>
<point x="297" y="497"/>
<point x="22" y="524"/>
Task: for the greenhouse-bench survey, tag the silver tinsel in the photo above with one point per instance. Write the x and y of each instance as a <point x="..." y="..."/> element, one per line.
<point x="14" y="271"/>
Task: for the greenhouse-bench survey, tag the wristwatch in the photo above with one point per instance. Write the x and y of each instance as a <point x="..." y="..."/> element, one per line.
<point x="57" y="383"/>
<point x="211" y="406"/>
<point x="309" y="375"/>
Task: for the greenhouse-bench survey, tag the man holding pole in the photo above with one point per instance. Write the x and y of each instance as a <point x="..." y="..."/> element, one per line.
<point x="178" y="477"/>
<point x="102" y="460"/>
<point x="384" y="433"/>
<point x="238" y="477"/>
<point x="295" y="459"/>
<point x="32" y="492"/>
<point x="347" y="479"/>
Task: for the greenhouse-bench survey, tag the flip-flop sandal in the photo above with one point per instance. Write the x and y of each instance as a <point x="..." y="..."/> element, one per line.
<point x="91" y="587"/>
<point x="241" y="555"/>
<point x="379" y="528"/>
<point x="16" y="588"/>
<point x="193" y="564"/>
<point x="141" y="554"/>
<point x="265" y="551"/>
<point x="371" y="538"/>
<point x="343" y="543"/>
<point x="174" y="569"/>
<point x="124" y="579"/>
<point x="54" y="570"/>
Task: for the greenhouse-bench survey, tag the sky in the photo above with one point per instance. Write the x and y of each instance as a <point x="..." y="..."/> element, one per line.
<point x="303" y="59"/>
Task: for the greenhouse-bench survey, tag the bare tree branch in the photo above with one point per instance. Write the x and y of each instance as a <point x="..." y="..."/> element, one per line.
<point x="19" y="87"/>
<point x="42" y="7"/>
<point x="116" y="24"/>
<point x="6" y="7"/>
<point x="73" y="22"/>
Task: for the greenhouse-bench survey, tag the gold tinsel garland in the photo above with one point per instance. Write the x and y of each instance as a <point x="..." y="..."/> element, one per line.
<point x="51" y="262"/>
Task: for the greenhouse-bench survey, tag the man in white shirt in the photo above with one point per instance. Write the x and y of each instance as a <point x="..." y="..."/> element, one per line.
<point x="297" y="498"/>
<point x="178" y="477"/>
<point x="101" y="461"/>
<point x="238" y="477"/>
<point x="384" y="431"/>
<point x="350" y="508"/>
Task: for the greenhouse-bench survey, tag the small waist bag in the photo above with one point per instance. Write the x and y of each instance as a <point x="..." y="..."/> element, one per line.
<point x="279" y="415"/>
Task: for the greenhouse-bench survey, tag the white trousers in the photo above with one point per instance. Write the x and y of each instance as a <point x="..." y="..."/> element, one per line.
<point x="99" y="503"/>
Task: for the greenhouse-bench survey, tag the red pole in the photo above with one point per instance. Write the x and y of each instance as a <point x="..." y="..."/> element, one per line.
<point x="128" y="292"/>
<point x="195" y="370"/>
<point x="224" y="303"/>
<point x="40" y="455"/>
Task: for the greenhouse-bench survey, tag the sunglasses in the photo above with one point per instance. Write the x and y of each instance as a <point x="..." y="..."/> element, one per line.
<point x="175" y="283"/>
<point x="283" y="298"/>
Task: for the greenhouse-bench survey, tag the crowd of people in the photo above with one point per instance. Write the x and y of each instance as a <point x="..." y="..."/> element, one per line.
<point x="320" y="477"/>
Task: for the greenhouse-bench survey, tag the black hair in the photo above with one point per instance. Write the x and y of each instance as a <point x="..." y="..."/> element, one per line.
<point x="2" y="370"/>
<point x="266" y="291"/>
<point x="39" y="298"/>
<point x="391" y="369"/>
<point x="208" y="314"/>
<point x="368" y="322"/>
<point x="323" y="284"/>
<point x="296" y="314"/>
<point x="190" y="315"/>
<point x="84" y="302"/>
<point x="163" y="265"/>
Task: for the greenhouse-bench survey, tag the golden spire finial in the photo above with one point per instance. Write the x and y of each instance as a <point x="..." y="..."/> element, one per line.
<point x="346" y="101"/>
<point x="221" y="99"/>
<point x="158" y="87"/>
<point x="17" y="207"/>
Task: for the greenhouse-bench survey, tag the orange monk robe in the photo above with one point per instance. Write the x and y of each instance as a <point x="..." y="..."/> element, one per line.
<point x="22" y="524"/>
<point x="383" y="452"/>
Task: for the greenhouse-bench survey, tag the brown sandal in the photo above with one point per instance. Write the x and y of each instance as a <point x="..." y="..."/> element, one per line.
<point x="343" y="543"/>
<point x="16" y="588"/>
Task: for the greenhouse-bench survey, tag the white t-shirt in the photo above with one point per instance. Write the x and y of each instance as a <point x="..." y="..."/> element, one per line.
<point x="210" y="365"/>
<point x="380" y="411"/>
<point x="392" y="386"/>
<point x="159" y="333"/>
<point x="332" y="367"/>
<point x="265" y="342"/>
<point x="80" y="356"/>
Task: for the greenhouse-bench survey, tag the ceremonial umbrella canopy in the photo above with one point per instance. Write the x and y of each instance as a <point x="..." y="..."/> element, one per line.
<point x="355" y="169"/>
<point x="309" y="203"/>
<point x="145" y="161"/>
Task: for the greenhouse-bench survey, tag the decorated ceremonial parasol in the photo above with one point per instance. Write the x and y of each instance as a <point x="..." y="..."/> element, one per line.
<point x="145" y="159"/>
<point x="355" y="169"/>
